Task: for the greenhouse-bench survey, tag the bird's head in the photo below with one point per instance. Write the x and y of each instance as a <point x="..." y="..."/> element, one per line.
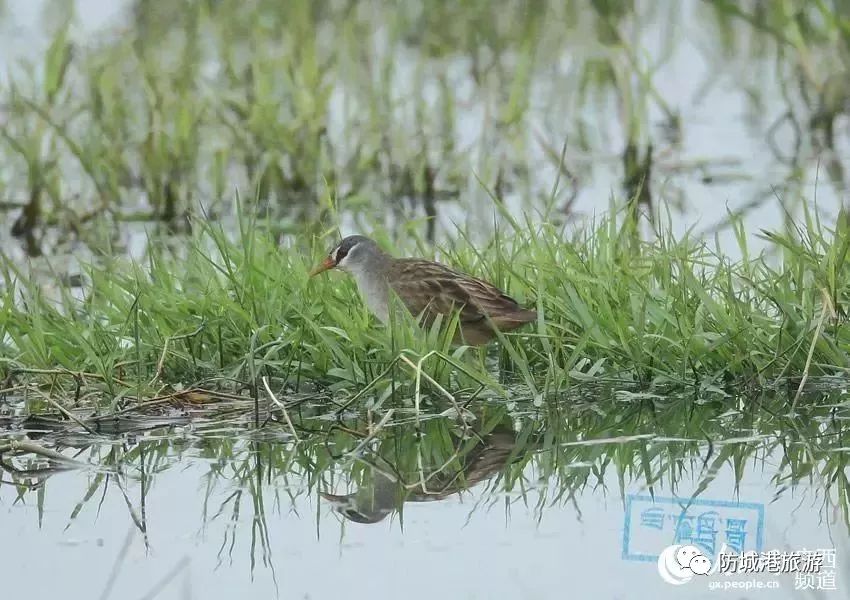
<point x="348" y="507"/>
<point x="350" y="254"/>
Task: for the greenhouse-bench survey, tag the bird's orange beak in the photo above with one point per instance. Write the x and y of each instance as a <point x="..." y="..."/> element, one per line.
<point x="333" y="498"/>
<point x="326" y="264"/>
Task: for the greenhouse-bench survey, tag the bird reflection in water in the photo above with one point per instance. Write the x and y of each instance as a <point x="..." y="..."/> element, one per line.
<point x="381" y="492"/>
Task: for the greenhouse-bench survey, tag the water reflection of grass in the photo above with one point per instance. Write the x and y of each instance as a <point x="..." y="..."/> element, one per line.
<point x="603" y="442"/>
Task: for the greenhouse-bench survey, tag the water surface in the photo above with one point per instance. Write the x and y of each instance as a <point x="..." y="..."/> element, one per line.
<point x="524" y="502"/>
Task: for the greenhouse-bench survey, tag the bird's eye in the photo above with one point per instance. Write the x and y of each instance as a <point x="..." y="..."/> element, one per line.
<point x="343" y="250"/>
<point x="356" y="516"/>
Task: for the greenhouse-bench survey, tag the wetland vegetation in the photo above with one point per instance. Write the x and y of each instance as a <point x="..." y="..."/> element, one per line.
<point x="168" y="179"/>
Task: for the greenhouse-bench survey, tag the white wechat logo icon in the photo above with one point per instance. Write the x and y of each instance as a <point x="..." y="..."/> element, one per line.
<point x="678" y="564"/>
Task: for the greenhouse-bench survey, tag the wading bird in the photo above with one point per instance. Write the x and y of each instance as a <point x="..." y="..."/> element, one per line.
<point x="428" y="289"/>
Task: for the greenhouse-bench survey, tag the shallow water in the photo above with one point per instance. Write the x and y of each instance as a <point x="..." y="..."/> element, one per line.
<point x="731" y="154"/>
<point x="536" y="502"/>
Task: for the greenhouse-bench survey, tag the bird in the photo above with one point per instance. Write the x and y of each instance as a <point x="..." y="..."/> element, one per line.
<point x="427" y="289"/>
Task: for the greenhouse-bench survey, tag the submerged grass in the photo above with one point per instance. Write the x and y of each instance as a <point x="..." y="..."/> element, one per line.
<point x="169" y="107"/>
<point x="238" y="307"/>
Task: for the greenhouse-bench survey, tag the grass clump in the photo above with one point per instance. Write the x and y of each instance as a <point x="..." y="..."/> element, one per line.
<point x="239" y="307"/>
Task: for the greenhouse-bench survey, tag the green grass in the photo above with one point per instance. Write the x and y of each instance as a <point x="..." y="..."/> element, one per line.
<point x="190" y="100"/>
<point x="238" y="307"/>
<point x="142" y="127"/>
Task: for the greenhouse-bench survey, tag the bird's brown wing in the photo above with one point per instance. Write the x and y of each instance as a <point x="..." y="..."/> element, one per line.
<point x="432" y="289"/>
